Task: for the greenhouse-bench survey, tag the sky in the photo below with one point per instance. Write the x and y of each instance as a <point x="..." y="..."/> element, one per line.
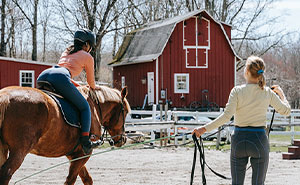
<point x="290" y="10"/>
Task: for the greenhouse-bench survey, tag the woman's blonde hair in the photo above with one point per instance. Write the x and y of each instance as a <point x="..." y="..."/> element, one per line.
<point x="256" y="66"/>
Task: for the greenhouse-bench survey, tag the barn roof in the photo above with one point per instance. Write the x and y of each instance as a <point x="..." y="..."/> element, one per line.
<point x="147" y="44"/>
<point x="26" y="61"/>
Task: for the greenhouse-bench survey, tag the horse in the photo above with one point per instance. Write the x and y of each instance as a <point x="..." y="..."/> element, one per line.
<point x="31" y="122"/>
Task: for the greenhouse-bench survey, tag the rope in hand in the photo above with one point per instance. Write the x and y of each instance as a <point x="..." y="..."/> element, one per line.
<point x="200" y="148"/>
<point x="96" y="153"/>
<point x="105" y="151"/>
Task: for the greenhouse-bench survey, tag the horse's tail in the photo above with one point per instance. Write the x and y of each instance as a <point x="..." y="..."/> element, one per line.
<point x="4" y="101"/>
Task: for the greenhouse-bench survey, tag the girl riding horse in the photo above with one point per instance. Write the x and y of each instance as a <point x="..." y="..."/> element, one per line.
<point x="76" y="58"/>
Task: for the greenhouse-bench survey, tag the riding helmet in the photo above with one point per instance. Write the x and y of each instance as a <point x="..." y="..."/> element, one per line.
<point x="85" y="35"/>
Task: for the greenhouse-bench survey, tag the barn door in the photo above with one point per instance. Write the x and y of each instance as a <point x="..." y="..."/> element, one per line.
<point x="150" y="78"/>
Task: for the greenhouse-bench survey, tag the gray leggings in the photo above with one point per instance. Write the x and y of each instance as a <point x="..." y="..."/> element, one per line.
<point x="248" y="143"/>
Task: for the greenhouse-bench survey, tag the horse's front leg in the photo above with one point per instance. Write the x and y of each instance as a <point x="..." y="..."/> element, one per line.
<point x="75" y="168"/>
<point x="85" y="176"/>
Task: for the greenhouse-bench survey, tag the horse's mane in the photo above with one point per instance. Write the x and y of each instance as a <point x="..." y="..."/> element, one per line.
<point x="103" y="94"/>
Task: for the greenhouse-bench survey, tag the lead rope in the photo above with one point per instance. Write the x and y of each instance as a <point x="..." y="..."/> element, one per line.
<point x="202" y="159"/>
<point x="200" y="147"/>
<point x="271" y="123"/>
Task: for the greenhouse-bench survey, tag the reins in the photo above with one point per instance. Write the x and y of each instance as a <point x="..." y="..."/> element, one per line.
<point x="200" y="148"/>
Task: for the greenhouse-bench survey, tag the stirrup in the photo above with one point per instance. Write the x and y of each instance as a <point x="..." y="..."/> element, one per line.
<point x="93" y="144"/>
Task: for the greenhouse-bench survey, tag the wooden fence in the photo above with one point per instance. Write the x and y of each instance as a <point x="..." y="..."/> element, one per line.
<point x="167" y="122"/>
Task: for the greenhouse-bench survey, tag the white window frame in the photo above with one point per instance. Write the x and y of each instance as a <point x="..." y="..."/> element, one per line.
<point x="32" y="77"/>
<point x="186" y="47"/>
<point x="176" y="90"/>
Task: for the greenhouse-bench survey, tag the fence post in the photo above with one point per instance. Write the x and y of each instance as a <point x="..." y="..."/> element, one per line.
<point x="292" y="120"/>
<point x="152" y="137"/>
<point x="166" y="112"/>
<point x="153" y="112"/>
<point x="218" y="138"/>
<point x="176" y="132"/>
<point x="160" y="111"/>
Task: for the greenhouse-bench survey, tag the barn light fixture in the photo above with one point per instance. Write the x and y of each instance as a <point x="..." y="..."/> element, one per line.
<point x="143" y="80"/>
<point x="182" y="97"/>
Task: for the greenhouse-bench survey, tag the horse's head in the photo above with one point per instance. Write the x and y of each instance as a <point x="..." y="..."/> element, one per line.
<point x="115" y="122"/>
<point x="112" y="107"/>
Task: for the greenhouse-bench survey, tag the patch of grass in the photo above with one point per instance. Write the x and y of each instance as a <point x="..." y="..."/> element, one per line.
<point x="226" y="147"/>
<point x="278" y="148"/>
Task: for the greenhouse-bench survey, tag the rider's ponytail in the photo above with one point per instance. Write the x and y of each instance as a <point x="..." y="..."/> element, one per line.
<point x="256" y="66"/>
<point x="76" y="47"/>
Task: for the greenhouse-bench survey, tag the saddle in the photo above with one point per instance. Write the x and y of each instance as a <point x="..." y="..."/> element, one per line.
<point x="69" y="111"/>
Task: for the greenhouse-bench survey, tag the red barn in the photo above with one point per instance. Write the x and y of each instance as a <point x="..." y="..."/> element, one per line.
<point x="178" y="60"/>
<point x="20" y="72"/>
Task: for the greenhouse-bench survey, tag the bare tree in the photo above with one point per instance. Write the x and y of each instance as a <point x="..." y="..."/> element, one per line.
<point x="247" y="17"/>
<point x="33" y="21"/>
<point x="45" y="20"/>
<point x="3" y="17"/>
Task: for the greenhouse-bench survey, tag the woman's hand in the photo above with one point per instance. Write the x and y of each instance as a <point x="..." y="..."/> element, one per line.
<point x="278" y="91"/>
<point x="199" y="131"/>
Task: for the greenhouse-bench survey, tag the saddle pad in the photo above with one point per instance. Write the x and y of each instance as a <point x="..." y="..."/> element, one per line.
<point x="70" y="113"/>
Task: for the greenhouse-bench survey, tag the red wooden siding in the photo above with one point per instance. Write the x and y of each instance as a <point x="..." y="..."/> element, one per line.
<point x="189" y="32"/>
<point x="218" y="78"/>
<point x="10" y="70"/>
<point x="191" y="57"/>
<point x="134" y="74"/>
<point x="227" y="29"/>
<point x="202" y="28"/>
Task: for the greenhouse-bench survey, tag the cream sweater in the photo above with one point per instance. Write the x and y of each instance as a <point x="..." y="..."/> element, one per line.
<point x="249" y="103"/>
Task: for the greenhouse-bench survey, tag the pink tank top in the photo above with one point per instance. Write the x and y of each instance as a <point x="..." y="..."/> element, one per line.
<point x="78" y="61"/>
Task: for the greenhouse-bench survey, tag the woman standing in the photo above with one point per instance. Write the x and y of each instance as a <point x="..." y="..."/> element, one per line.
<point x="249" y="103"/>
<point x="76" y="58"/>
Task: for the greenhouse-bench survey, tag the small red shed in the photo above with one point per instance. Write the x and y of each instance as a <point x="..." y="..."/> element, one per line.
<point x="19" y="72"/>
<point x="177" y="60"/>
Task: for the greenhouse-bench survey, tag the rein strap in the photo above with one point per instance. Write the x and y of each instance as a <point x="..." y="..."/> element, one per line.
<point x="200" y="148"/>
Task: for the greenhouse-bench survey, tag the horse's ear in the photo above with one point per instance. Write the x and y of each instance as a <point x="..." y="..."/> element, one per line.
<point x="124" y="92"/>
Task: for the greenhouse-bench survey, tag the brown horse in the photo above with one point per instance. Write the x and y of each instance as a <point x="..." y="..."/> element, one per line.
<point x="31" y="122"/>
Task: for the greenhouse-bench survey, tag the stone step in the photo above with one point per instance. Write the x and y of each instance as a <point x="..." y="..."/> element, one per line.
<point x="294" y="149"/>
<point x="296" y="142"/>
<point x="289" y="156"/>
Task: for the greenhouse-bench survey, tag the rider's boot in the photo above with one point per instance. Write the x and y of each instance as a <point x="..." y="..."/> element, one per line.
<point x="88" y="145"/>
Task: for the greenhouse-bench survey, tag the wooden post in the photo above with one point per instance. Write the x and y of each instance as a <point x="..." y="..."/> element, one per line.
<point x="183" y="139"/>
<point x="165" y="135"/>
<point x="292" y="120"/>
<point x="152" y="137"/>
<point x="161" y="135"/>
<point x="176" y="138"/>
<point x="160" y="107"/>
<point x="166" y="119"/>
<point x="153" y="112"/>
<point x="166" y="112"/>
<point x="218" y="138"/>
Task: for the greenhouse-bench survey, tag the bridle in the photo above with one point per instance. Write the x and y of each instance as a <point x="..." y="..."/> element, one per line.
<point x="104" y="137"/>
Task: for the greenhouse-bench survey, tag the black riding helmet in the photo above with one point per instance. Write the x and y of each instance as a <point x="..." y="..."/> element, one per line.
<point x="85" y="35"/>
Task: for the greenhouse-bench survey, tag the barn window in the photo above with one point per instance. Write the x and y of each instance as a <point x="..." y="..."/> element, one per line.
<point x="181" y="83"/>
<point x="26" y="78"/>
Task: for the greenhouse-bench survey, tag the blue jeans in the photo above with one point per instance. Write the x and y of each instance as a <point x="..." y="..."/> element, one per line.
<point x="249" y="143"/>
<point x="60" y="79"/>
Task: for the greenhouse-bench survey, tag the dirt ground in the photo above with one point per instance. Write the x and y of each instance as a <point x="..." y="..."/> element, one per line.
<point x="166" y="166"/>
